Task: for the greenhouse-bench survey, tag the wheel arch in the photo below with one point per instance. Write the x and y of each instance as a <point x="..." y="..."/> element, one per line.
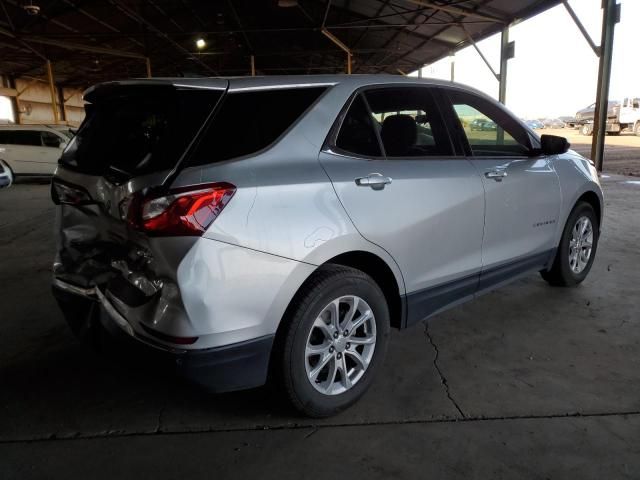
<point x="592" y="199"/>
<point x="371" y="264"/>
<point x="382" y="274"/>
<point x="374" y="266"/>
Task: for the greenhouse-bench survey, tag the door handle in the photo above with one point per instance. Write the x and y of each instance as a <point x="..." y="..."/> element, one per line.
<point x="376" y="181"/>
<point x="496" y="175"/>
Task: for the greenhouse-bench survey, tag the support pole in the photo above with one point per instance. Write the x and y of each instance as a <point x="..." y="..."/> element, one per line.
<point x="340" y="45"/>
<point x="63" y="109"/>
<point x="610" y="16"/>
<point x="14" y="100"/>
<point x="148" y="64"/>
<point x="506" y="52"/>
<point x="453" y="68"/>
<point x="253" y="66"/>
<point x="420" y="72"/>
<point x="52" y="88"/>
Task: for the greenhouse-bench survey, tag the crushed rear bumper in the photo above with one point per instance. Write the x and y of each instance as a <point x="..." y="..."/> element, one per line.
<point x="94" y="319"/>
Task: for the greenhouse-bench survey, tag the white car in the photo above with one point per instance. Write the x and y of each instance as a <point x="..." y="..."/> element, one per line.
<point x="31" y="149"/>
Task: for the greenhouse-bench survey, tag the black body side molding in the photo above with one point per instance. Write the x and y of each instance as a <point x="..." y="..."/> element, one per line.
<point x="422" y="304"/>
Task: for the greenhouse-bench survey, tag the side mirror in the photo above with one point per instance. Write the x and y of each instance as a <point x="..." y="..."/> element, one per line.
<point x="6" y="175"/>
<point x="553" y="145"/>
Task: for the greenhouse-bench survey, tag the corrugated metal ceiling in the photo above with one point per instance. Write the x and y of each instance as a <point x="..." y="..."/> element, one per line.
<point x="95" y="40"/>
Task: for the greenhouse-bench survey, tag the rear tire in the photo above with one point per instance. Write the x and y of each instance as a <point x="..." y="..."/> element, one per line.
<point x="577" y="248"/>
<point x="314" y="353"/>
<point x="586" y="129"/>
<point x="636" y="129"/>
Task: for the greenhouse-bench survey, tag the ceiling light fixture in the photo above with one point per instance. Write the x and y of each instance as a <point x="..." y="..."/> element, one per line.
<point x="200" y="43"/>
<point x="30" y="8"/>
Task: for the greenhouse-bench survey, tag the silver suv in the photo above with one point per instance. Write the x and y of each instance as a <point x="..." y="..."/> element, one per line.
<point x="283" y="224"/>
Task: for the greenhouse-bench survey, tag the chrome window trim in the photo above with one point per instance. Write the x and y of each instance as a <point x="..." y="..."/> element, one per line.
<point x="281" y="86"/>
<point x="198" y="87"/>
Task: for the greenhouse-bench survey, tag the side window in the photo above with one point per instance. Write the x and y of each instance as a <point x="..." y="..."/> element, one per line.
<point x="357" y="134"/>
<point x="490" y="131"/>
<point x="248" y="122"/>
<point x="409" y="122"/>
<point x="50" y="139"/>
<point x="27" y="137"/>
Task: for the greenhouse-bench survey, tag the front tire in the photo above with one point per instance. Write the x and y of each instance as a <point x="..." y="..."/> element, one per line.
<point x="586" y="129"/>
<point x="577" y="248"/>
<point x="335" y="340"/>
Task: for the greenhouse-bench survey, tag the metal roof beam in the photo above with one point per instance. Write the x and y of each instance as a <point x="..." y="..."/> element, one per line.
<point x="458" y="11"/>
<point x="484" y="59"/>
<point x="97" y="20"/>
<point x="134" y="16"/>
<point x="459" y="19"/>
<point x="13" y="35"/>
<point x="83" y="47"/>
<point x="413" y="19"/>
<point x="583" y="31"/>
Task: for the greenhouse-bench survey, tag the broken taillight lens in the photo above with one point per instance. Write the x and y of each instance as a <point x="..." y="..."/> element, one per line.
<point x="66" y="194"/>
<point x="185" y="211"/>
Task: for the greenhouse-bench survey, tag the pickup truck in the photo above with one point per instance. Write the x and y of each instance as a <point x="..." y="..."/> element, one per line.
<point x="621" y="116"/>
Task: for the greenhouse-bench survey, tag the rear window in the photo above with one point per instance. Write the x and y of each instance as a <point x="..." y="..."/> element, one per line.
<point x="248" y="122"/>
<point x="138" y="130"/>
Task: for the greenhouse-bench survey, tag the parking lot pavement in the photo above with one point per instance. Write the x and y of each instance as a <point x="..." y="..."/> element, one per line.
<point x="526" y="382"/>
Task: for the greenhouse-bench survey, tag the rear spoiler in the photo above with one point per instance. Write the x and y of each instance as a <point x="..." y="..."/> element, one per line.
<point x="101" y="90"/>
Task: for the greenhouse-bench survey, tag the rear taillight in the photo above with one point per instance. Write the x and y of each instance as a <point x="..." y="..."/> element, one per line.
<point x="185" y="211"/>
<point x="63" y="193"/>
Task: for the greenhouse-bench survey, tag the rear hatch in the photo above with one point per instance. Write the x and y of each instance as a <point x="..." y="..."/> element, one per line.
<point x="113" y="233"/>
<point x="124" y="224"/>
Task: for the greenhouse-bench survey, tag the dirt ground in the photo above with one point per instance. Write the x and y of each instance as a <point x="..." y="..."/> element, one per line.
<point x="622" y="152"/>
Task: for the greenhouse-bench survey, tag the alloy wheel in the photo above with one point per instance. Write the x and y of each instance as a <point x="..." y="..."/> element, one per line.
<point x="340" y="345"/>
<point x="581" y="244"/>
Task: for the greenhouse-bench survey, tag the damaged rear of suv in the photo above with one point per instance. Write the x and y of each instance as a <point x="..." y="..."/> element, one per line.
<point x="235" y="226"/>
<point x="134" y="202"/>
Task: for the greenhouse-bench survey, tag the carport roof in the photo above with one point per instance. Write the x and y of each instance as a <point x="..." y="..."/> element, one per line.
<point x="95" y="40"/>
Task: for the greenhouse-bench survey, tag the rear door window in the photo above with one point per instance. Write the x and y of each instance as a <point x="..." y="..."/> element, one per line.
<point x="409" y="122"/>
<point x="357" y="133"/>
<point x="405" y="120"/>
<point x="248" y="122"/>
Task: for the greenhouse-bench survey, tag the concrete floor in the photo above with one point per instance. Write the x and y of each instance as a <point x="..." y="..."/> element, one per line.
<point x="527" y="382"/>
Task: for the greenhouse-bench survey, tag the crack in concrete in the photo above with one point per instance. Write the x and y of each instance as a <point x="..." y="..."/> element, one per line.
<point x="158" y="428"/>
<point x="143" y="433"/>
<point x="443" y="379"/>
<point x="312" y="432"/>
